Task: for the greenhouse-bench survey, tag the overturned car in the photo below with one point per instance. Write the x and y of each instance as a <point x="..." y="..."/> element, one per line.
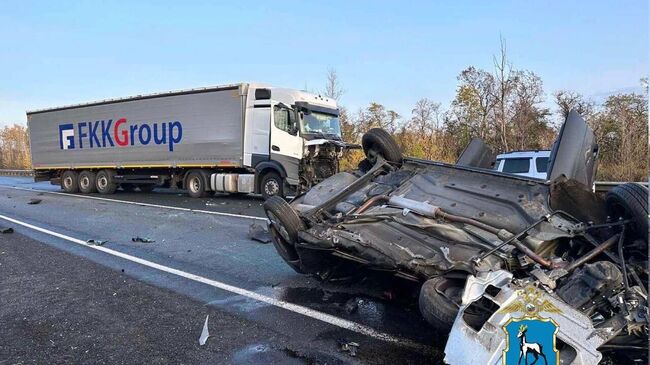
<point x="472" y="239"/>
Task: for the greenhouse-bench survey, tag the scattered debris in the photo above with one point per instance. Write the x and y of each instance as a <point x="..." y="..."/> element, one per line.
<point x="6" y="230"/>
<point x="204" y="333"/>
<point x="34" y="201"/>
<point x="352" y="305"/>
<point x="96" y="242"/>
<point x="326" y="296"/>
<point x="142" y="240"/>
<point x="350" y="347"/>
<point x="259" y="233"/>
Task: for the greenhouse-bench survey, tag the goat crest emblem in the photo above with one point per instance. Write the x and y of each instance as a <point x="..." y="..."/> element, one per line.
<point x="530" y="339"/>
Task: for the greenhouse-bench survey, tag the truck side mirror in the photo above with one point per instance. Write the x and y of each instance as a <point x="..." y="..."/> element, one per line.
<point x="293" y="125"/>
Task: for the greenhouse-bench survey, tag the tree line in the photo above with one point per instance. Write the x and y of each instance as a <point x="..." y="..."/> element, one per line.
<point x="505" y="107"/>
<point x="14" y="147"/>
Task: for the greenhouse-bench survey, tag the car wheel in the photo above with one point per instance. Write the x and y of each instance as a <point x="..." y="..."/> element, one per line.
<point x="195" y="185"/>
<point x="630" y="201"/>
<point x="440" y="300"/>
<point x="70" y="182"/>
<point x="272" y="185"/>
<point x="105" y="182"/>
<point x="378" y="142"/>
<point x="284" y="225"/>
<point x="87" y="182"/>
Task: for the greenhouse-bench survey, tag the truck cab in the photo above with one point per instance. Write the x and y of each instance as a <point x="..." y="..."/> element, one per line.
<point x="292" y="139"/>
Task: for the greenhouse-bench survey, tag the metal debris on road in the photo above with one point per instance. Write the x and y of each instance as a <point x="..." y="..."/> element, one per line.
<point x="6" y="230"/>
<point x="349" y="347"/>
<point x="34" y="201"/>
<point x="352" y="305"/>
<point x="204" y="333"/>
<point x="142" y="240"/>
<point x="259" y="233"/>
<point x="96" y="242"/>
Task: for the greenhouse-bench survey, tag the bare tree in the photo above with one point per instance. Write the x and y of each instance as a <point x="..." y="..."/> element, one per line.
<point x="333" y="87"/>
<point x="567" y="100"/>
<point x="504" y="80"/>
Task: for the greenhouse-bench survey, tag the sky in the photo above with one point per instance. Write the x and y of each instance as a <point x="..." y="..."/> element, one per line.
<point x="56" y="53"/>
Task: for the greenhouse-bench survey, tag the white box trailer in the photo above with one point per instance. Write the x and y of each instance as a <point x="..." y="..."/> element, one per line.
<point x="234" y="138"/>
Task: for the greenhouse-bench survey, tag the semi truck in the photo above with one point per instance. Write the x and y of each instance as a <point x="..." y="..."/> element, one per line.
<point x="236" y="138"/>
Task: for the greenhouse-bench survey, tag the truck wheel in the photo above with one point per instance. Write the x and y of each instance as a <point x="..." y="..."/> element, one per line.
<point x="87" y="183"/>
<point x="272" y="185"/>
<point x="146" y="188"/>
<point x="379" y="142"/>
<point x="630" y="201"/>
<point x="70" y="182"/>
<point x="284" y="226"/>
<point x="440" y="300"/>
<point x="196" y="185"/>
<point x="105" y="182"/>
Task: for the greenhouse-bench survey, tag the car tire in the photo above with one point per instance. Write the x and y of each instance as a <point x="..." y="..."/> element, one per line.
<point x="630" y="201"/>
<point x="146" y="188"/>
<point x="272" y="185"/>
<point x="70" y="182"/>
<point x="379" y="142"/>
<point x="439" y="302"/>
<point x="195" y="183"/>
<point x="105" y="181"/>
<point x="284" y="227"/>
<point x="87" y="183"/>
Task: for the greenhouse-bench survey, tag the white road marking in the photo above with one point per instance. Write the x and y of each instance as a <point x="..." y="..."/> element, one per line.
<point x="141" y="204"/>
<point x="308" y="312"/>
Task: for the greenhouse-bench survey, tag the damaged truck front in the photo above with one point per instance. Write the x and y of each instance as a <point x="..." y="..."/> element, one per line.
<point x="444" y="226"/>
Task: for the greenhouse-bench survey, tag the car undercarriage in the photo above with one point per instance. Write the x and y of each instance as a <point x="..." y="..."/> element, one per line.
<point x="447" y="227"/>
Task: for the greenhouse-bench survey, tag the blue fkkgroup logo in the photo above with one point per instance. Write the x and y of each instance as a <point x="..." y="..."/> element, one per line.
<point x="99" y="134"/>
<point x="66" y="136"/>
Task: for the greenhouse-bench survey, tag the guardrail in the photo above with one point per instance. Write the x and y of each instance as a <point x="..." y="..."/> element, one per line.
<point x="602" y="187"/>
<point x="9" y="172"/>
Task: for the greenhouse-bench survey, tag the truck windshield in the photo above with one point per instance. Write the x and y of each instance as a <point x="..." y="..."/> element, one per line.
<point x="321" y="123"/>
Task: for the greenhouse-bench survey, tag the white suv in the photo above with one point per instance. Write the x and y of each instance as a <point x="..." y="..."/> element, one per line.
<point x="526" y="163"/>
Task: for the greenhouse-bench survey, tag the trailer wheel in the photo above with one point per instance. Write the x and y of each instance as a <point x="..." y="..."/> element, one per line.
<point x="284" y="226"/>
<point x="70" y="182"/>
<point x="439" y="303"/>
<point x="146" y="188"/>
<point x="630" y="201"/>
<point x="105" y="182"/>
<point x="272" y="185"/>
<point x="87" y="183"/>
<point x="195" y="185"/>
<point x="379" y="142"/>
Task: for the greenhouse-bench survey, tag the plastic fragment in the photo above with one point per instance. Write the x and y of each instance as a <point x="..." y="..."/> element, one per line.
<point x="259" y="233"/>
<point x="204" y="333"/>
<point x="142" y="240"/>
<point x="96" y="242"/>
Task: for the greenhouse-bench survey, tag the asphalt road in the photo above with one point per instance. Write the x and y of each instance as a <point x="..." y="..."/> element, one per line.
<point x="134" y="302"/>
